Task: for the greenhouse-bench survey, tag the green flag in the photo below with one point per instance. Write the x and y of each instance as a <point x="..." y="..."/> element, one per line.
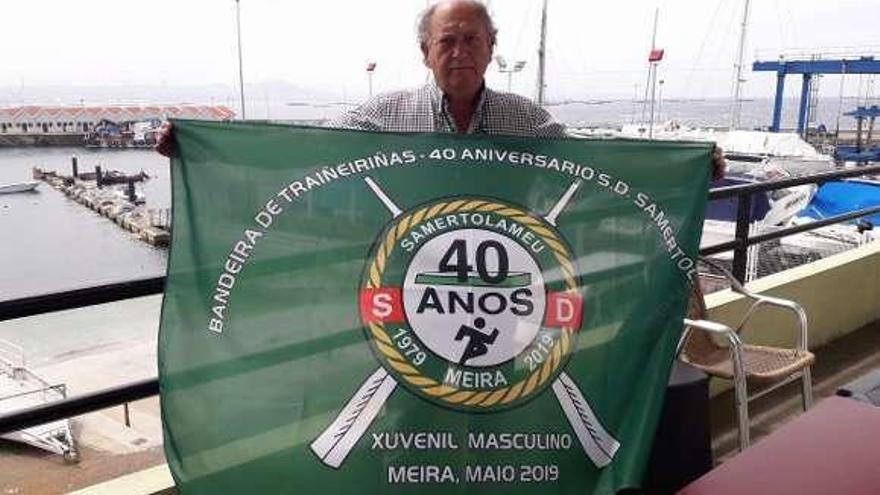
<point x="363" y="313"/>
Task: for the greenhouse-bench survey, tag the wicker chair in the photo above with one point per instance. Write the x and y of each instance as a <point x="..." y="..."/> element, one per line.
<point x="767" y="368"/>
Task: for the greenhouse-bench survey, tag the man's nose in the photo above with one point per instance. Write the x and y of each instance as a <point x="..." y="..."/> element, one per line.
<point x="461" y="47"/>
<point x="458" y="49"/>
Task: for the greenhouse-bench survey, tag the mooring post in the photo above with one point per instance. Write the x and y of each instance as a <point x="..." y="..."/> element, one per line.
<point x="130" y="189"/>
<point x="75" y="168"/>
<point x="98" y="176"/>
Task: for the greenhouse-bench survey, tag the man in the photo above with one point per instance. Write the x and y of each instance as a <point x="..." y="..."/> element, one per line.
<point x="457" y="39"/>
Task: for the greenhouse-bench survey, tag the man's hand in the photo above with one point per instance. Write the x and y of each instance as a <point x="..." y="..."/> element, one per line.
<point x="165" y="140"/>
<point x="719" y="166"/>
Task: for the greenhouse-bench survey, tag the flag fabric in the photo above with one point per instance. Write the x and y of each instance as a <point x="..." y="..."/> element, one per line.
<point x="352" y="312"/>
<point x="656" y="55"/>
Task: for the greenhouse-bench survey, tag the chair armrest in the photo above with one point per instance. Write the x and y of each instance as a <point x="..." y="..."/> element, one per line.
<point x="709" y="326"/>
<point x="718" y="329"/>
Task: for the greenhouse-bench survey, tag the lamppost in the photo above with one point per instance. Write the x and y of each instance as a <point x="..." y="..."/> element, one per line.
<point x="504" y="69"/>
<point x="371" y="67"/>
<point x="240" y="69"/>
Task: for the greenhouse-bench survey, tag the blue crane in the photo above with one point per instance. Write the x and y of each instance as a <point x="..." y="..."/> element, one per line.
<point x="808" y="68"/>
<point x="863" y="151"/>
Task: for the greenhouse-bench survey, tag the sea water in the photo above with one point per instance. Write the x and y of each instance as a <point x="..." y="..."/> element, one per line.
<point x="50" y="243"/>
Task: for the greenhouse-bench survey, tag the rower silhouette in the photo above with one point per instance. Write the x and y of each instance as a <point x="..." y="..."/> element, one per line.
<point x="478" y="342"/>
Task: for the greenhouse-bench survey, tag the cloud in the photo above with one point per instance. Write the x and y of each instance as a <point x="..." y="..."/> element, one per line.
<point x="593" y="50"/>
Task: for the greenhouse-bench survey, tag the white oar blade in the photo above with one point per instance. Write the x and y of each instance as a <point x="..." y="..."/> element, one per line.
<point x="334" y="444"/>
<point x="562" y="203"/>
<point x="598" y="444"/>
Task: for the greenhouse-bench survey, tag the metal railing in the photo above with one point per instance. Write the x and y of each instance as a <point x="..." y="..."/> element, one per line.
<point x="86" y="403"/>
<point x="48" y="393"/>
<point x="742" y="240"/>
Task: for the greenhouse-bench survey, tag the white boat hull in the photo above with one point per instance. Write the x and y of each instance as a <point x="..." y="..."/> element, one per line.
<point x="18" y="187"/>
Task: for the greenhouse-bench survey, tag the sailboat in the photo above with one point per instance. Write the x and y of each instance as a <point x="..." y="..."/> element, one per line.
<point x="752" y="156"/>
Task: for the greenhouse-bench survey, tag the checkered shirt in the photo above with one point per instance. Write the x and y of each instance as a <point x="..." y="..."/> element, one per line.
<point x="426" y="109"/>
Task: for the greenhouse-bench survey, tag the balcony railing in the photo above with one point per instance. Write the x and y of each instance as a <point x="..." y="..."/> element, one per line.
<point x="115" y="396"/>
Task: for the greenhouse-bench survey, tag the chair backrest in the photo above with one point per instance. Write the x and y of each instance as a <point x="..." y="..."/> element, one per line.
<point x="698" y="346"/>
<point x="696" y="303"/>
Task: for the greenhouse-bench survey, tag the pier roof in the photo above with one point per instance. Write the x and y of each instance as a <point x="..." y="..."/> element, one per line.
<point x="117" y="113"/>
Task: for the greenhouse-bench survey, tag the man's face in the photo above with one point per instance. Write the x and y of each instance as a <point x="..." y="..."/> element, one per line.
<point x="458" y="49"/>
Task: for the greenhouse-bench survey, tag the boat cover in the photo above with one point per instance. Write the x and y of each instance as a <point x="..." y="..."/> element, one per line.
<point x="839" y="197"/>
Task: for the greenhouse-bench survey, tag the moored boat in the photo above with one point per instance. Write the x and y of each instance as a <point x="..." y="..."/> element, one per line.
<point x="16" y="187"/>
<point x="845" y="196"/>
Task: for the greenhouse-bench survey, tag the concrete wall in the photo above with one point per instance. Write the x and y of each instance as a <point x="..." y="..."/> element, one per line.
<point x="153" y="481"/>
<point x="839" y="294"/>
<point x="60" y="139"/>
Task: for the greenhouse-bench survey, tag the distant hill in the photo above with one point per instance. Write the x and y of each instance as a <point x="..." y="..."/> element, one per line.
<point x="220" y="94"/>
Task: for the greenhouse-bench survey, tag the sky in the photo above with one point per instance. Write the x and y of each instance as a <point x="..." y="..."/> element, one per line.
<point x="595" y="50"/>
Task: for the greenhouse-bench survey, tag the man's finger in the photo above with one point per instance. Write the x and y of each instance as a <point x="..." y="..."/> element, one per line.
<point x="719" y="165"/>
<point x="165" y="140"/>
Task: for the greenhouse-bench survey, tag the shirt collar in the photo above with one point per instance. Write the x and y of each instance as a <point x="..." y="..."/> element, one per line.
<point x="441" y="103"/>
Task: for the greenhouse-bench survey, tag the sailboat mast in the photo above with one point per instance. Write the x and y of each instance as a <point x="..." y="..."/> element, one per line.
<point x="650" y="65"/>
<point x="654" y="33"/>
<point x="736" y="97"/>
<point x="240" y="69"/>
<point x="542" y="49"/>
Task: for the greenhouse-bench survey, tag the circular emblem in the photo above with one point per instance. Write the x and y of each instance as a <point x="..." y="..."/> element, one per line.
<point x="471" y="303"/>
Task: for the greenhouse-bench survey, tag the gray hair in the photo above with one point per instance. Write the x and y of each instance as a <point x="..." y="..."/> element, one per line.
<point x="428" y="13"/>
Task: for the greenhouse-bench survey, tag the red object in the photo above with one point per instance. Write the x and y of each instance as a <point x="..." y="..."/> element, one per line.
<point x="830" y="449"/>
<point x="656" y="55"/>
<point x="371" y="66"/>
<point x="563" y="310"/>
<point x="381" y="305"/>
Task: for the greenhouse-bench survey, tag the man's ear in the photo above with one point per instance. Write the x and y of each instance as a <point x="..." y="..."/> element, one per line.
<point x="424" y="48"/>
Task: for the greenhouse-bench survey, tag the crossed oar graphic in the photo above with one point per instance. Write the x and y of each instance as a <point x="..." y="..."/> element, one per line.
<point x="334" y="444"/>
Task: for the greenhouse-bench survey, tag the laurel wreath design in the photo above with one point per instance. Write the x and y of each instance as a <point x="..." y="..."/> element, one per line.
<point x="431" y="387"/>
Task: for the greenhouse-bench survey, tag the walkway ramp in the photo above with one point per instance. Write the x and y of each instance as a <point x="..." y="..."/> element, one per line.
<point x="21" y="389"/>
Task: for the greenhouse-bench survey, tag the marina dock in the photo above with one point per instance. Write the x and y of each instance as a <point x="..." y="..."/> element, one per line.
<point x="121" y="205"/>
